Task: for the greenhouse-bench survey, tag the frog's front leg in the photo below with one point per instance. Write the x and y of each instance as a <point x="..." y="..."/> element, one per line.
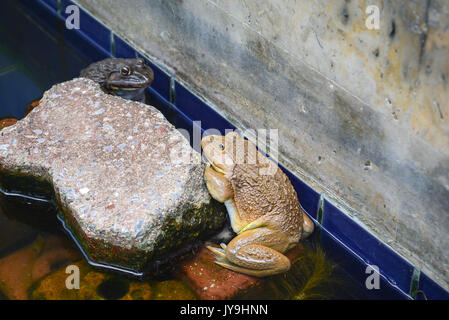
<point x="256" y="252"/>
<point x="219" y="187"/>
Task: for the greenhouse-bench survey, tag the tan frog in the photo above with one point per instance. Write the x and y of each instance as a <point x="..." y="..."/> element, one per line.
<point x="261" y="202"/>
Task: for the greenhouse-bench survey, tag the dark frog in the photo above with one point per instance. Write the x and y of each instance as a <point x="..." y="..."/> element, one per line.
<point x="126" y="78"/>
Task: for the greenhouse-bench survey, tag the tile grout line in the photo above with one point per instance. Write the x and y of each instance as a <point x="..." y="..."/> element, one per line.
<point x="59" y="8"/>
<point x="319" y="217"/>
<point x="112" y="42"/>
<point x="172" y="89"/>
<point x="414" y="283"/>
<point x="320" y="210"/>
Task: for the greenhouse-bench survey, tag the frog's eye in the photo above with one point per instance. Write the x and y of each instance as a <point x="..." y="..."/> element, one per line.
<point x="221" y="146"/>
<point x="140" y="62"/>
<point x="125" y="71"/>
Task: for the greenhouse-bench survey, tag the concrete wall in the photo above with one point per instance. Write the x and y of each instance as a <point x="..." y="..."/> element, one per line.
<point x="363" y="114"/>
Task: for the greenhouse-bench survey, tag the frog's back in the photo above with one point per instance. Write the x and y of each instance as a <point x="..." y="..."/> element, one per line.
<point x="257" y="195"/>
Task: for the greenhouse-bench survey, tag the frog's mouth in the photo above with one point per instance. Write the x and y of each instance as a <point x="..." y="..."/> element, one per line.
<point x="131" y="94"/>
<point x="115" y="88"/>
<point x="214" y="166"/>
<point x="127" y="84"/>
<point x="217" y="168"/>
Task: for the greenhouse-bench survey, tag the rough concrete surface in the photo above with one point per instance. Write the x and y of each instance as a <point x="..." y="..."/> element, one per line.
<point x="363" y="114"/>
<point x="115" y="170"/>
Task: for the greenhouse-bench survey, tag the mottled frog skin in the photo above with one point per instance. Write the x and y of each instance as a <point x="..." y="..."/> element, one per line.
<point x="127" y="78"/>
<point x="262" y="205"/>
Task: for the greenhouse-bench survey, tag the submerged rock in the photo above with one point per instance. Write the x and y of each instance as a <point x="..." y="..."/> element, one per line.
<point x="114" y="167"/>
<point x="6" y="122"/>
<point x="19" y="270"/>
<point x="95" y="285"/>
<point x="33" y="104"/>
<point x="209" y="281"/>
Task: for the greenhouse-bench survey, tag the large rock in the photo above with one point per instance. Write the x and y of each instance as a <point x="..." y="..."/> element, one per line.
<point x="114" y="168"/>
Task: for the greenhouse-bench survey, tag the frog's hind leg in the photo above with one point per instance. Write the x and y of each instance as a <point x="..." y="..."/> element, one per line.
<point x="219" y="253"/>
<point x="256" y="252"/>
<point x="307" y="226"/>
<point x="262" y="268"/>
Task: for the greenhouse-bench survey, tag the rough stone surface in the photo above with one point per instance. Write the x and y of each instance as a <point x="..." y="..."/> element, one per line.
<point x="115" y="169"/>
<point x="363" y="114"/>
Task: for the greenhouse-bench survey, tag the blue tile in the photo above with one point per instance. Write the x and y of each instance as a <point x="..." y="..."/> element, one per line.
<point x="17" y="90"/>
<point x="174" y="116"/>
<point x="123" y="49"/>
<point x="430" y="289"/>
<point x="52" y="61"/>
<point x="308" y="198"/>
<point x="196" y="109"/>
<point x="100" y="34"/>
<point x="64" y="5"/>
<point x="46" y="15"/>
<point x="90" y="27"/>
<point x="356" y="269"/>
<point x="53" y="4"/>
<point x="84" y="46"/>
<point x="397" y="270"/>
<point x="161" y="81"/>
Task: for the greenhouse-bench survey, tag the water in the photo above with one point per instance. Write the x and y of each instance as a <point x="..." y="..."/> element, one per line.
<point x="35" y="249"/>
<point x="30" y="235"/>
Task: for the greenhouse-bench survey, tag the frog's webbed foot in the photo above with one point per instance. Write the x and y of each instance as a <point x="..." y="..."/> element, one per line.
<point x="219" y="253"/>
<point x="221" y="260"/>
<point x="256" y="252"/>
<point x="251" y="272"/>
<point x="257" y="268"/>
